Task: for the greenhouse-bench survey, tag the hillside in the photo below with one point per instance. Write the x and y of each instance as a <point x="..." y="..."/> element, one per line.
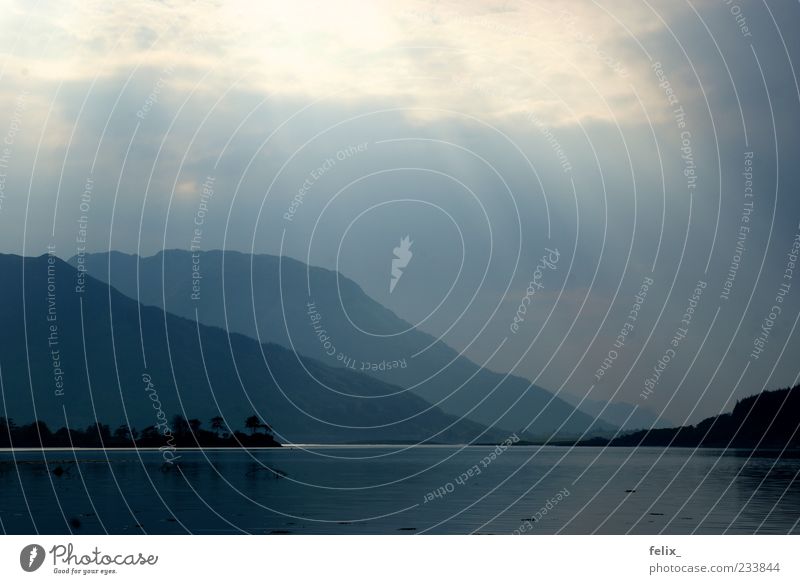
<point x="318" y="313"/>
<point x="71" y="359"/>
<point x="770" y="419"/>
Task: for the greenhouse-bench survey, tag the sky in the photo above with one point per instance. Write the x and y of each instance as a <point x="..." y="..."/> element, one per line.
<point x="641" y="144"/>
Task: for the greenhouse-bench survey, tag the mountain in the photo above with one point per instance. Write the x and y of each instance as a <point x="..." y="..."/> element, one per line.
<point x="323" y="315"/>
<point x="622" y="414"/>
<point x="770" y="419"/>
<point x="74" y="350"/>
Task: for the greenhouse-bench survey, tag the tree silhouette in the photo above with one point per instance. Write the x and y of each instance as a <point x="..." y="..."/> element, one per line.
<point x="149" y="434"/>
<point x="253" y="423"/>
<point x="186" y="433"/>
<point x="99" y="432"/>
<point x="217" y="424"/>
<point x="123" y="433"/>
<point x="180" y="426"/>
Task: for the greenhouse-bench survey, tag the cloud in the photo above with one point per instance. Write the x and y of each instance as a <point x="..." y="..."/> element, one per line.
<point x="568" y="62"/>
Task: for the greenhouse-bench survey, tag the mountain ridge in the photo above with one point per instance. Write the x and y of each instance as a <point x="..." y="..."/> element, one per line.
<point x="106" y="344"/>
<point x="766" y="420"/>
<point x="266" y="297"/>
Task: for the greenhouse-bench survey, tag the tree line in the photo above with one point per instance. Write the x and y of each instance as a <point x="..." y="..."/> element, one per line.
<point x="183" y="433"/>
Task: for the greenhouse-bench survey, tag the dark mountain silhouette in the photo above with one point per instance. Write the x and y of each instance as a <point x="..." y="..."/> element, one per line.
<point x="242" y="293"/>
<point x="770" y="419"/>
<point x="74" y="359"/>
<point x="620" y="413"/>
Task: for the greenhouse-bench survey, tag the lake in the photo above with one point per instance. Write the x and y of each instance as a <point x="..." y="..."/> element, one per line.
<point x="399" y="489"/>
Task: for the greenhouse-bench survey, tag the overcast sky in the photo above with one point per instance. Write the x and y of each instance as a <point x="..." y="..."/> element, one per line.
<point x="488" y="132"/>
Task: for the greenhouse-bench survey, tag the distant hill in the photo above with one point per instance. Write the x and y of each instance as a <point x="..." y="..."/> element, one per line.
<point x="621" y="414"/>
<point x="318" y="313"/>
<point x="770" y="419"/>
<point x="70" y="371"/>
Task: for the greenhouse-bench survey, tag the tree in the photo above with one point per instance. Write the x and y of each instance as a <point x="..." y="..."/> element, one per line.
<point x="195" y="424"/>
<point x="217" y="424"/>
<point x="253" y="423"/>
<point x="150" y="434"/>
<point x="180" y="426"/>
<point x="123" y="433"/>
<point x="98" y="432"/>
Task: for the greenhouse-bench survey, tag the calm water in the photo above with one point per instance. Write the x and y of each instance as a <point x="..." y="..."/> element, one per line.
<point x="357" y="490"/>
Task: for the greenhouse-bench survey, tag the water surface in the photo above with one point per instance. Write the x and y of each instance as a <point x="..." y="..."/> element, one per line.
<point x="390" y="489"/>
